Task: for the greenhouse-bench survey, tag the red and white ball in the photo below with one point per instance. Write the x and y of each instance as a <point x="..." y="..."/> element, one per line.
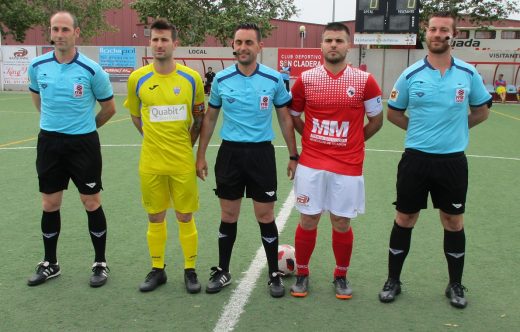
<point x="286" y="259"/>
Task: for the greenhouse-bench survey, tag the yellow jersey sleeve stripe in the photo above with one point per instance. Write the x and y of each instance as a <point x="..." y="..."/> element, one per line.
<point x="192" y="82"/>
<point x="141" y="82"/>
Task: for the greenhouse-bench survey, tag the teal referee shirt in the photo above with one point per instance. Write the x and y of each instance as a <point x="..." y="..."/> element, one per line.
<point x="438" y="105"/>
<point x="68" y="92"/>
<point x="248" y="102"/>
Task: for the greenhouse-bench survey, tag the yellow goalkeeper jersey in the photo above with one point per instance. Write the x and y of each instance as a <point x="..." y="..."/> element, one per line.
<point x="165" y="104"/>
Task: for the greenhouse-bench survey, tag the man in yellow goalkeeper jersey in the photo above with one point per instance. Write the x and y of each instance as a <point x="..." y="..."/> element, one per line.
<point x="166" y="103"/>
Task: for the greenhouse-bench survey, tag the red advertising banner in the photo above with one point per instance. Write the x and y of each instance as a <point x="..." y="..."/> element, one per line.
<point x="299" y="59"/>
<point x="119" y="70"/>
<point x="119" y="74"/>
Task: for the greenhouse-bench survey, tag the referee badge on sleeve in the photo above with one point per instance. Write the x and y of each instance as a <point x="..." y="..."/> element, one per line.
<point x="264" y="103"/>
<point x="394" y="94"/>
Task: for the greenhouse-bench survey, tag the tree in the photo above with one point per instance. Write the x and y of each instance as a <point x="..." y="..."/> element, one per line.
<point x="17" y="16"/>
<point x="479" y="12"/>
<point x="197" y="19"/>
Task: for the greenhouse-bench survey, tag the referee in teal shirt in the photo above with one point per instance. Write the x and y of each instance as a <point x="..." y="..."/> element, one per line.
<point x="436" y="93"/>
<point x="65" y="86"/>
<point x="246" y="92"/>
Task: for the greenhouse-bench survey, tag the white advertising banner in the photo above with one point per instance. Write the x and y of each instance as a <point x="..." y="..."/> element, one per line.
<point x="384" y="39"/>
<point x="15" y="64"/>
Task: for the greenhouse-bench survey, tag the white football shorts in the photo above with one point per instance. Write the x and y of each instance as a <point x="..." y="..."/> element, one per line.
<point x="318" y="191"/>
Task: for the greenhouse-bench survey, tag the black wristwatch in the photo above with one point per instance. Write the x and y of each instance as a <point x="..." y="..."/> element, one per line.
<point x="295" y="157"/>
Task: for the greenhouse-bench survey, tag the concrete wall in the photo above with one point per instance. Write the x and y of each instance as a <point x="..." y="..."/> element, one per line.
<point x="385" y="64"/>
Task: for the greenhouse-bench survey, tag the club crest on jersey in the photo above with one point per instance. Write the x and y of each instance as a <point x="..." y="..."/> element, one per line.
<point x="394" y="94"/>
<point x="460" y="94"/>
<point x="351" y="91"/>
<point x="264" y="102"/>
<point x="78" y="90"/>
<point x="176" y="90"/>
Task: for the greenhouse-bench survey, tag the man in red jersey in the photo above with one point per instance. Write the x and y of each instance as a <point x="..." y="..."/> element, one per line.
<point x="335" y="99"/>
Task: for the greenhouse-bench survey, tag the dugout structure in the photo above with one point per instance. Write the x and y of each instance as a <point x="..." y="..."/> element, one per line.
<point x="511" y="71"/>
<point x="199" y="64"/>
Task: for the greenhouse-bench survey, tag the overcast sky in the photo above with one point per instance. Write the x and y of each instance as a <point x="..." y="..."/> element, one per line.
<point x="320" y="11"/>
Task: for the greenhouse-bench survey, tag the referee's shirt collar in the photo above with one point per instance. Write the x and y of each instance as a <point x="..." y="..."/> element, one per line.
<point x="241" y="73"/>
<point x="76" y="56"/>
<point x="431" y="67"/>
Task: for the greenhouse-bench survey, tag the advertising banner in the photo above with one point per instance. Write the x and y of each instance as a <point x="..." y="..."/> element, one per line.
<point x="16" y="60"/>
<point x="118" y="62"/>
<point x="385" y="39"/>
<point x="299" y="59"/>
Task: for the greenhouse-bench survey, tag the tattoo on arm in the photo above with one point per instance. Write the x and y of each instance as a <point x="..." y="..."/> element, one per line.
<point x="196" y="126"/>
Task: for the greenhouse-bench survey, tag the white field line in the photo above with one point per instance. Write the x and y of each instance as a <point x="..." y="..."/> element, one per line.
<point x="240" y="296"/>
<point x="276" y="146"/>
<point x="230" y="315"/>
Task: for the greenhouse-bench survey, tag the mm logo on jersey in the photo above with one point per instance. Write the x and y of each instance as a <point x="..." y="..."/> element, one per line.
<point x="78" y="90"/>
<point x="330" y="128"/>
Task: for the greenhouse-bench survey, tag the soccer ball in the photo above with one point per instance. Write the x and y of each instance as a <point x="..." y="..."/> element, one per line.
<point x="286" y="259"/>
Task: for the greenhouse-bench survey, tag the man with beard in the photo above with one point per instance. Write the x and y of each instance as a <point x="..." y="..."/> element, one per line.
<point x="436" y="93"/>
<point x="246" y="92"/>
<point x="166" y="103"/>
<point x="335" y="99"/>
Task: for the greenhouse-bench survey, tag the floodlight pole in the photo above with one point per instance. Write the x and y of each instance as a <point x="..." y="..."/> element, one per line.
<point x="1" y="64"/>
<point x="333" y="10"/>
<point x="302" y="35"/>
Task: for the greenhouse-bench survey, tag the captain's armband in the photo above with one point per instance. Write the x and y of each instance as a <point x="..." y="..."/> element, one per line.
<point x="199" y="109"/>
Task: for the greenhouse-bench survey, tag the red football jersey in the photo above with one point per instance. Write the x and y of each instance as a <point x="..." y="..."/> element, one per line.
<point x="334" y="108"/>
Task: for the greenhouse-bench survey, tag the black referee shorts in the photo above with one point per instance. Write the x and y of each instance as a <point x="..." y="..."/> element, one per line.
<point x="61" y="157"/>
<point x="249" y="167"/>
<point x="444" y="176"/>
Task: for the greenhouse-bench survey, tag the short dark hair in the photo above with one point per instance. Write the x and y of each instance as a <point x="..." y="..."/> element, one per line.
<point x="445" y="14"/>
<point x="249" y="26"/>
<point x="163" y="24"/>
<point x="337" y="26"/>
<point x="75" y="22"/>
